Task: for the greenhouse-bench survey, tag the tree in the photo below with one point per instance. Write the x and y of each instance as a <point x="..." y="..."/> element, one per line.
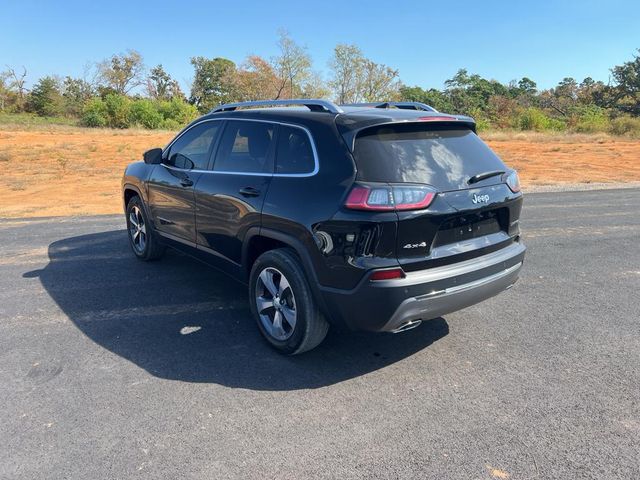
<point x="433" y="97"/>
<point x="256" y="80"/>
<point x="4" y="90"/>
<point x="76" y="92"/>
<point x="122" y="72"/>
<point x="213" y="83"/>
<point x="45" y="98"/>
<point x="346" y="67"/>
<point x="160" y="85"/>
<point x="378" y="83"/>
<point x="292" y="66"/>
<point x="15" y="83"/>
<point x="626" y="92"/>
<point x="315" y="87"/>
<point x="527" y="86"/>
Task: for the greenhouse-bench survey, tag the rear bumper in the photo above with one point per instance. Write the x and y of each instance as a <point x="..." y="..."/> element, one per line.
<point x="423" y="295"/>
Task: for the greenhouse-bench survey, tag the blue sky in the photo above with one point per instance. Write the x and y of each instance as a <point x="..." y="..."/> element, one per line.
<point x="427" y="41"/>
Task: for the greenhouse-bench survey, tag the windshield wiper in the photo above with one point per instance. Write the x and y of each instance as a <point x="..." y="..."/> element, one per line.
<point x="483" y="176"/>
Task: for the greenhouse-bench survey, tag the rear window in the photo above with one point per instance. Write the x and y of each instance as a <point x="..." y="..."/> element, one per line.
<point x="443" y="157"/>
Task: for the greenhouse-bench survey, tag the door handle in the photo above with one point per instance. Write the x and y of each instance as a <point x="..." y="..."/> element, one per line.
<point x="249" y="192"/>
<point x="186" y="182"/>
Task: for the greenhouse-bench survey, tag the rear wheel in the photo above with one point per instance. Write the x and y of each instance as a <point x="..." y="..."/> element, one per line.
<point x="283" y="305"/>
<point x="142" y="238"/>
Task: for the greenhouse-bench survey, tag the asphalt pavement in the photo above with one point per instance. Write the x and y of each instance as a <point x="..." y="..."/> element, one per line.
<point x="111" y="368"/>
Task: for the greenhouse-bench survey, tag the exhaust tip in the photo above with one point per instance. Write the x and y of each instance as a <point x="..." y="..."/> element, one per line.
<point x="407" y="326"/>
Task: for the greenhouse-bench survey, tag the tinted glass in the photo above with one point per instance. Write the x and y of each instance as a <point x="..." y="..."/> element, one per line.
<point x="245" y="148"/>
<point x="444" y="158"/>
<point x="191" y="150"/>
<point x="294" y="153"/>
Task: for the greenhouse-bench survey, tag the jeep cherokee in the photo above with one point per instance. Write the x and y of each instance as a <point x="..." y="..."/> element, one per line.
<point x="375" y="216"/>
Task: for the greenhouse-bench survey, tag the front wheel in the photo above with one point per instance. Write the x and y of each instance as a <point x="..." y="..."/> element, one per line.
<point x="283" y="305"/>
<point x="142" y="238"/>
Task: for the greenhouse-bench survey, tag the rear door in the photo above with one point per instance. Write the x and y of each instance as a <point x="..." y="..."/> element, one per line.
<point x="170" y="186"/>
<point x="229" y="199"/>
<point x="467" y="217"/>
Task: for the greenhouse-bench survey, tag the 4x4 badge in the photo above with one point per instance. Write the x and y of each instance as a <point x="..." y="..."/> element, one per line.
<point x="416" y="245"/>
<point x="480" y="198"/>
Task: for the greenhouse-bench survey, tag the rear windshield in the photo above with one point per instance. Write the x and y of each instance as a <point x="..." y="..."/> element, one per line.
<point x="444" y="157"/>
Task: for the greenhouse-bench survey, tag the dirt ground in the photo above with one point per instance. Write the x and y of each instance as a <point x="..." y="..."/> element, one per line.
<point x="75" y="171"/>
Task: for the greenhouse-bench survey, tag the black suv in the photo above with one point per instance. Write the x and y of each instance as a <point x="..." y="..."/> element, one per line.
<point x="376" y="216"/>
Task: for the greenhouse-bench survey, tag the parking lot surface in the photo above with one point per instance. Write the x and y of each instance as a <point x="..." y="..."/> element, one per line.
<point x="114" y="368"/>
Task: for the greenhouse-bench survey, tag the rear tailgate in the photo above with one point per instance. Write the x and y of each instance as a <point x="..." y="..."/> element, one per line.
<point x="464" y="220"/>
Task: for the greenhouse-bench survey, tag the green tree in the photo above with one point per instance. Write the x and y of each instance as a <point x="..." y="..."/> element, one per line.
<point x="45" y="98"/>
<point x="160" y="85"/>
<point x="75" y="92"/>
<point x="122" y="72"/>
<point x="213" y="82"/>
<point x="626" y="91"/>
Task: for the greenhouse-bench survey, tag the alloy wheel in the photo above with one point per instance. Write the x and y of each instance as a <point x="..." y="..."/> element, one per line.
<point x="276" y="303"/>
<point x="137" y="229"/>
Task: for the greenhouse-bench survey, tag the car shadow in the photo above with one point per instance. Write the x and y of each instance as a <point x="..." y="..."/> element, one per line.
<point x="181" y="320"/>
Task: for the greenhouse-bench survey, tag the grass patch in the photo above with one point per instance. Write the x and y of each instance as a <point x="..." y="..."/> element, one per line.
<point x="31" y="120"/>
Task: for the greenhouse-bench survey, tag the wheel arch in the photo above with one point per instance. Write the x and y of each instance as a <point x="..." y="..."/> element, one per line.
<point x="259" y="240"/>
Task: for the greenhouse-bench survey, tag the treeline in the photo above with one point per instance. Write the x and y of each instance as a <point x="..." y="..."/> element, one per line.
<point x="121" y="92"/>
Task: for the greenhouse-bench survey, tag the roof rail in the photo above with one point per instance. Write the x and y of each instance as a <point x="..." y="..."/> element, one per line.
<point x="315" y="105"/>
<point x="400" y="105"/>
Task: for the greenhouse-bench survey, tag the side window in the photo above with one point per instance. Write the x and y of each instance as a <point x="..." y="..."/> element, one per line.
<point x="245" y="148"/>
<point x="191" y="150"/>
<point x="294" y="153"/>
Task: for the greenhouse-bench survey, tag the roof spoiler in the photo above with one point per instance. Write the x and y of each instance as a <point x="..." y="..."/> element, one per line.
<point x="400" y="105"/>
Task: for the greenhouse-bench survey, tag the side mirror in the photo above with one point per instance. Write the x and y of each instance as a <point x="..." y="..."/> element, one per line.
<point x="153" y="156"/>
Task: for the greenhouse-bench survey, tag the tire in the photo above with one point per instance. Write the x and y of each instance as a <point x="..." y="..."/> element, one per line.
<point x="293" y="295"/>
<point x="143" y="241"/>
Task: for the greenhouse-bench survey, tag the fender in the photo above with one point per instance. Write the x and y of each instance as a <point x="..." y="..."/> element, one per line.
<point x="135" y="188"/>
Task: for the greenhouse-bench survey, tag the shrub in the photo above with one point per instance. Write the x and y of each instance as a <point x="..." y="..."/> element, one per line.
<point x="481" y="118"/>
<point x="625" y="125"/>
<point x="592" y="119"/>
<point x="171" y="124"/>
<point x="95" y="113"/>
<point x="178" y="110"/>
<point x="535" y="119"/>
<point x="118" y="110"/>
<point x="145" y="113"/>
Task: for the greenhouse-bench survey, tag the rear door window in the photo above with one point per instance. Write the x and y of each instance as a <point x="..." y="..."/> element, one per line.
<point x="294" y="154"/>
<point x="443" y="157"/>
<point x="245" y="147"/>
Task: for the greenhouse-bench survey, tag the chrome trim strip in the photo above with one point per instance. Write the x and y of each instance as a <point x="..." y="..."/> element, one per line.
<point x="316" y="160"/>
<point x="307" y="102"/>
<point x="464" y="267"/>
<point x="461" y="268"/>
<point x="474" y="284"/>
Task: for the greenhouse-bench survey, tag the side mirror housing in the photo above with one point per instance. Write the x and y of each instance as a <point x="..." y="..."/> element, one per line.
<point x="153" y="156"/>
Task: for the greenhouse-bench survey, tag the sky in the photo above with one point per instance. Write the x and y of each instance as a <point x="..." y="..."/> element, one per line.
<point x="427" y="41"/>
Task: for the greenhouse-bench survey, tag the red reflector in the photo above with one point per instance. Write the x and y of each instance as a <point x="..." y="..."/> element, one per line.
<point x="387" y="274"/>
<point x="438" y="119"/>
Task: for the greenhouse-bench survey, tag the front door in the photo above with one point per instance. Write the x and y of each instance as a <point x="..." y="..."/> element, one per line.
<point x="171" y="193"/>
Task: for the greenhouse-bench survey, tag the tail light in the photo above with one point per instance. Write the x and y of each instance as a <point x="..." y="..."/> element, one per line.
<point x="390" y="197"/>
<point x="513" y="182"/>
